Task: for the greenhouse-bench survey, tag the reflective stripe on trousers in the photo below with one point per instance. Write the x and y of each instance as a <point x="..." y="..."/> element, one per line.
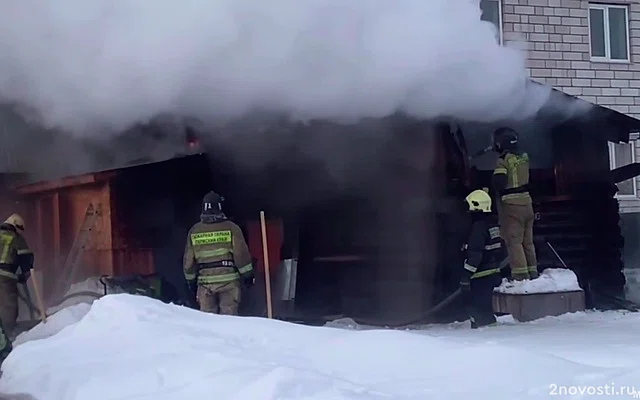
<point x="523" y="195"/>
<point x="223" y="278"/>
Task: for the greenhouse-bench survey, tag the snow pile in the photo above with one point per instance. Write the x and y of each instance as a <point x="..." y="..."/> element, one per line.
<point x="551" y="280"/>
<point x="129" y="347"/>
<point x="55" y="323"/>
<point x="632" y="287"/>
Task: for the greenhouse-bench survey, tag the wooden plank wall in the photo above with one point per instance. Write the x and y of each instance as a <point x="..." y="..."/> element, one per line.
<point x="130" y="250"/>
<point x="56" y="216"/>
<point x="98" y="258"/>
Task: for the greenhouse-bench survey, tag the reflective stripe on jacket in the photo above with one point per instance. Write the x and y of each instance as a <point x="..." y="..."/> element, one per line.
<point x="485" y="249"/>
<point x="14" y="253"/>
<point x="516" y="168"/>
<point x="216" y="253"/>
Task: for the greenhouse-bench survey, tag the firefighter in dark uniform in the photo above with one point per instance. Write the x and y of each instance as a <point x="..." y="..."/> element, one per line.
<point x="484" y="254"/>
<point x="514" y="204"/>
<point x="217" y="263"/>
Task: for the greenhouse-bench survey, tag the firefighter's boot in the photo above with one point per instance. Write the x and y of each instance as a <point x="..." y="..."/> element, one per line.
<point x="519" y="277"/>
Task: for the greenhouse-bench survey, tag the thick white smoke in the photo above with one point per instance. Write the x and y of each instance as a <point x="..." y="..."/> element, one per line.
<point x="84" y="64"/>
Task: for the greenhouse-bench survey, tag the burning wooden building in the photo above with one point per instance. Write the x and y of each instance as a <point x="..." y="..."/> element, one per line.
<point x="372" y="213"/>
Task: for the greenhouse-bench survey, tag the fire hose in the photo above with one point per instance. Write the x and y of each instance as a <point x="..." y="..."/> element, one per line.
<point x="428" y="316"/>
<point x="481" y="152"/>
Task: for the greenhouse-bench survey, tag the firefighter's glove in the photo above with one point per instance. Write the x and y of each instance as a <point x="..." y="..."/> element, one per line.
<point x="24" y="277"/>
<point x="249" y="281"/>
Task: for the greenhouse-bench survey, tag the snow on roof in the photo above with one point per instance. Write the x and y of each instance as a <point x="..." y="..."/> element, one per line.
<point x="551" y="280"/>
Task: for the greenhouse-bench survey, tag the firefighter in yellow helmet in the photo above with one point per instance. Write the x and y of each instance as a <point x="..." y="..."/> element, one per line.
<point x="515" y="207"/>
<point x="16" y="262"/>
<point x="217" y="261"/>
<point x="484" y="253"/>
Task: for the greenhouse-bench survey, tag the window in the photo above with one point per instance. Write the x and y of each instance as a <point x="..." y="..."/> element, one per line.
<point x="609" y="32"/>
<point x="621" y="154"/>
<point x="492" y="12"/>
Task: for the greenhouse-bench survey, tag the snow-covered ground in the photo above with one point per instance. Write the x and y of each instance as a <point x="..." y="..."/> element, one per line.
<point x="133" y="347"/>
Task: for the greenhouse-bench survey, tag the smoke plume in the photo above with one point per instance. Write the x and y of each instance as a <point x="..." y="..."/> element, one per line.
<point x="93" y="65"/>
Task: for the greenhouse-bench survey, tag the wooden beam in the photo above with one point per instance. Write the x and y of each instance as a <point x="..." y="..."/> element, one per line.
<point x="44" y="186"/>
<point x="39" y="225"/>
<point x="56" y="230"/>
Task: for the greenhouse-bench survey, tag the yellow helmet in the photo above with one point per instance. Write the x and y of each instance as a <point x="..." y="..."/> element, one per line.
<point x="479" y="200"/>
<point x="15" y="220"/>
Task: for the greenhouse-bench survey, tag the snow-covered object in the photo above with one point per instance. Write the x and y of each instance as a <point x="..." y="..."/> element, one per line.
<point x="90" y="285"/>
<point x="135" y="347"/>
<point x="343" y="323"/>
<point x="81" y="290"/>
<point x="632" y="287"/>
<point x="551" y="280"/>
<point x="55" y="323"/>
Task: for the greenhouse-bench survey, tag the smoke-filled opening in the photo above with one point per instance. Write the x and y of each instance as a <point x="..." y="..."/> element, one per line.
<point x="351" y="202"/>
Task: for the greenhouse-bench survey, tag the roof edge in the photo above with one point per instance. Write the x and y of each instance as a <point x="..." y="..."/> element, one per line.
<point x="622" y="125"/>
<point x="61" y="183"/>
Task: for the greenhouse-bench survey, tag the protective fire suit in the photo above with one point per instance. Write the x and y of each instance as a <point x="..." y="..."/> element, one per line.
<point x="216" y="263"/>
<point x="515" y="209"/>
<point x="481" y="274"/>
<point x="16" y="262"/>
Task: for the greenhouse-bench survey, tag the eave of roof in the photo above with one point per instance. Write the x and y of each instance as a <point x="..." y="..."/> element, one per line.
<point x="616" y="126"/>
<point x="90" y="177"/>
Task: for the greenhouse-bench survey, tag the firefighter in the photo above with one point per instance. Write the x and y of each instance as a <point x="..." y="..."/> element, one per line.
<point x="217" y="261"/>
<point x="5" y="346"/>
<point x="16" y="262"/>
<point x="484" y="254"/>
<point x="514" y="204"/>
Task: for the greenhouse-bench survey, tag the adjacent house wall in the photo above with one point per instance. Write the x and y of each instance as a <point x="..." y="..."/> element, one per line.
<point x="564" y="45"/>
<point x="563" y="36"/>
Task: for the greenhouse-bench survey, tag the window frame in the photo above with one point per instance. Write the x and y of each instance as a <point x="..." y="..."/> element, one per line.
<point x="613" y="165"/>
<point x="500" y="21"/>
<point x="604" y="7"/>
